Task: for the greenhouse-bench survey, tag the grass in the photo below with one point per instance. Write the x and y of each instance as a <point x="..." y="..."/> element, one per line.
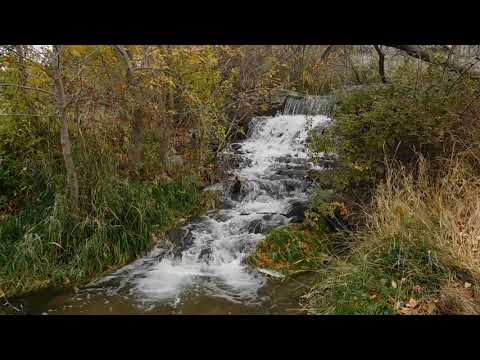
<point x="45" y="245"/>
<point x="416" y="253"/>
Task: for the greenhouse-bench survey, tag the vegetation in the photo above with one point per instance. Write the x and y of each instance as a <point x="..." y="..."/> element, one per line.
<point x="105" y="148"/>
<point x="406" y="198"/>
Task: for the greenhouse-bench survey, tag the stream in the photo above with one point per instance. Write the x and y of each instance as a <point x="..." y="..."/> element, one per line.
<point x="201" y="268"/>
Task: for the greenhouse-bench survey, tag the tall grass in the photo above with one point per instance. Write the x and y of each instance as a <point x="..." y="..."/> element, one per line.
<point x="418" y="253"/>
<point x="47" y="244"/>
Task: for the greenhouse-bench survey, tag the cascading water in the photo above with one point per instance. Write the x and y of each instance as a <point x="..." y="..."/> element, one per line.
<point x="205" y="259"/>
<point x="310" y="105"/>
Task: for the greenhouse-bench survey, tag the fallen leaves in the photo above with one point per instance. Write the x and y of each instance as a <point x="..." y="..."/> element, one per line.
<point x="409" y="308"/>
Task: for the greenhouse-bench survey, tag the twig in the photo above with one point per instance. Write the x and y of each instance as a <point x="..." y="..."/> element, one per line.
<point x="39" y="115"/>
<point x="28" y="88"/>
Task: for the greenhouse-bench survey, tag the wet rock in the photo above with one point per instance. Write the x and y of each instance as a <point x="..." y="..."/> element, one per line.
<point x="205" y="254"/>
<point x="181" y="239"/>
<point x="291" y="185"/>
<point x="236" y="146"/>
<point x="267" y="217"/>
<point x="256" y="227"/>
<point x="236" y="191"/>
<point x="221" y="217"/>
<point x="228" y="204"/>
<point x="292" y="173"/>
<point x="296" y="212"/>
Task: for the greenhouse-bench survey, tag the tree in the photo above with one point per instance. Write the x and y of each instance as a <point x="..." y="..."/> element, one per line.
<point x="381" y="63"/>
<point x="437" y="55"/>
<point x="136" y="94"/>
<point x="61" y="104"/>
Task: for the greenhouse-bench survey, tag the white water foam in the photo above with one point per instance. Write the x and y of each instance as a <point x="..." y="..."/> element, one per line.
<point x="214" y="261"/>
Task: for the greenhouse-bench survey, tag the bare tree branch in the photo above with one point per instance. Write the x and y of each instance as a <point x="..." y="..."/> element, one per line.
<point x="126" y="57"/>
<point x="39" y="115"/>
<point x="327" y="52"/>
<point x="28" y="88"/>
<point x="427" y="56"/>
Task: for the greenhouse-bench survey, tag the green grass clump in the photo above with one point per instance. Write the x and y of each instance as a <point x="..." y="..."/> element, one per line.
<point x="48" y="245"/>
<point x="378" y="281"/>
<point x="309" y="245"/>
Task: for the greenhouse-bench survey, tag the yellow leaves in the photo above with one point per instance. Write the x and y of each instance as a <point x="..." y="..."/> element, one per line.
<point x="343" y="210"/>
<point x="77" y="50"/>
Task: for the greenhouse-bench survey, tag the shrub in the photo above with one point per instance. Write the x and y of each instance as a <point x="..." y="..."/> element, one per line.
<point x="422" y="115"/>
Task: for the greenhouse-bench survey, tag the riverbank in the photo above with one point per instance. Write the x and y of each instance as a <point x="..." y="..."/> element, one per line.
<point x="391" y="230"/>
<point x="45" y="246"/>
<point x="408" y="257"/>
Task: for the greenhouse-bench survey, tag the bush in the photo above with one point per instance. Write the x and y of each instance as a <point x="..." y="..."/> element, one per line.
<point x="423" y="115"/>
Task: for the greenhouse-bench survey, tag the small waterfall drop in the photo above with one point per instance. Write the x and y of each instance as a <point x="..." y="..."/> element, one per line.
<point x="308" y="105"/>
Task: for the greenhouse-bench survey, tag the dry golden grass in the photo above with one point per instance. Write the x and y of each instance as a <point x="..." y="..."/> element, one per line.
<point x="456" y="298"/>
<point x="446" y="208"/>
<point x="442" y="212"/>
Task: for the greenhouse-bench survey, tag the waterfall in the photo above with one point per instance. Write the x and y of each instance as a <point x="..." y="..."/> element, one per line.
<point x="204" y="261"/>
<point x="308" y="105"/>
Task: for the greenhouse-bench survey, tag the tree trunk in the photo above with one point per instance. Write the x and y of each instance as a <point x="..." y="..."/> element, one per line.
<point x="381" y="64"/>
<point x="72" y="179"/>
<point x="352" y="66"/>
<point x="136" y="153"/>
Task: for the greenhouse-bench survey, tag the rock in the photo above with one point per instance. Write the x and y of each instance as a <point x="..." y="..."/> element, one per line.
<point x="296" y="212"/>
<point x="228" y="204"/>
<point x="221" y="217"/>
<point x="205" y="254"/>
<point x="181" y="240"/>
<point x="236" y="189"/>
<point x="267" y="217"/>
<point x="236" y="146"/>
<point x="256" y="227"/>
<point x="292" y="173"/>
